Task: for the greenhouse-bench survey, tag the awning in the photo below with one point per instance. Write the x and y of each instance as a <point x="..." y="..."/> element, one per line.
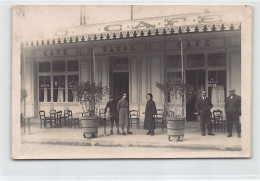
<point x="181" y="24"/>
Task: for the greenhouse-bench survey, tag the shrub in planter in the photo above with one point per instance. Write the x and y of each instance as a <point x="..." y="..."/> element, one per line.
<point x="176" y="88"/>
<point x="89" y="94"/>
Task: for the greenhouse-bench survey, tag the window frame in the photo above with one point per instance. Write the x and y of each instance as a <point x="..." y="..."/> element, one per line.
<point x="66" y="73"/>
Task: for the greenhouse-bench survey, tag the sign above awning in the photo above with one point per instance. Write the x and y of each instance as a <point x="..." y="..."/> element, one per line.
<point x="140" y="28"/>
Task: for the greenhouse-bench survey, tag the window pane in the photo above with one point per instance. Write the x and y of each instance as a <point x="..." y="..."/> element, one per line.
<point x="222" y="78"/>
<point x="59" y="81"/>
<point x="195" y="60"/>
<point x="44" y="67"/>
<point x="217" y="86"/>
<point x="44" y="88"/>
<point x="59" y="95"/>
<point x="45" y="95"/>
<point x="44" y="81"/>
<point x="71" y="78"/>
<point x="59" y="88"/>
<point x="73" y="65"/>
<point x="58" y="66"/>
<point x="173" y="61"/>
<point x="217" y="59"/>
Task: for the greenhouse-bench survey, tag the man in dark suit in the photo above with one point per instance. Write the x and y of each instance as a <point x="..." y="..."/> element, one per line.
<point x="233" y="111"/>
<point x="203" y="106"/>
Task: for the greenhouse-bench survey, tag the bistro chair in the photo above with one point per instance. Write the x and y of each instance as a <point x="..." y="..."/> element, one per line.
<point x="53" y="116"/>
<point x="159" y="118"/>
<point x="72" y="121"/>
<point x="218" y="122"/>
<point x="134" y="118"/>
<point x="43" y="119"/>
<point x="66" y="117"/>
<point x="60" y="117"/>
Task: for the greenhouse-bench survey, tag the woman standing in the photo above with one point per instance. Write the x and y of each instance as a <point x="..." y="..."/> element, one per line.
<point x="123" y="109"/>
<point x="150" y="111"/>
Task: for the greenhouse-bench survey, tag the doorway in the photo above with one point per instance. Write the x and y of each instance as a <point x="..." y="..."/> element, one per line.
<point x="197" y="78"/>
<point x="119" y="77"/>
<point x="120" y="84"/>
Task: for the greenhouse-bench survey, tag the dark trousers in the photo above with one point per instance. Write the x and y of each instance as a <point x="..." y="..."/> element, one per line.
<point x="233" y="117"/>
<point x="113" y="118"/>
<point x="205" y="119"/>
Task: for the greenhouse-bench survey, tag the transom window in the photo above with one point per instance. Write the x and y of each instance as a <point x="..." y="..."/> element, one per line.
<point x="174" y="61"/>
<point x="195" y="60"/>
<point x="216" y="59"/>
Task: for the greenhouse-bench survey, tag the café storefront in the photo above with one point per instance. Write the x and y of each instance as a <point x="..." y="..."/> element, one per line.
<point x="131" y="57"/>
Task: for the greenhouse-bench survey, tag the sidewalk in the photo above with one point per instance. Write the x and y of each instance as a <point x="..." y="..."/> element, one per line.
<point x="74" y="136"/>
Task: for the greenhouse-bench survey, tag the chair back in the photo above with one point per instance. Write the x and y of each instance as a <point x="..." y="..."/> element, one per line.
<point x="53" y="113"/>
<point x="133" y="114"/>
<point x="159" y="113"/>
<point x="66" y="113"/>
<point x="217" y="114"/>
<point x="69" y="112"/>
<point x="59" y="114"/>
<point x="42" y="114"/>
<point x="102" y="113"/>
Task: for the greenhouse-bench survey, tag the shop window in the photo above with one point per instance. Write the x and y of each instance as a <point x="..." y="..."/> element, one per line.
<point x="59" y="88"/>
<point x="44" y="67"/>
<point x="58" y="66"/>
<point x="73" y="65"/>
<point x="71" y="79"/>
<point x="174" y="61"/>
<point x="195" y="60"/>
<point x="44" y="88"/>
<point x="53" y="86"/>
<point x="217" y="86"/>
<point x="217" y="59"/>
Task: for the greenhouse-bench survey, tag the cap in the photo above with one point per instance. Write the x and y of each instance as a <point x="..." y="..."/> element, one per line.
<point x="231" y="90"/>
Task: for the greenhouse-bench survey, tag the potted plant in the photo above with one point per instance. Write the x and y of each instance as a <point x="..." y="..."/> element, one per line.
<point x="180" y="93"/>
<point x="89" y="94"/>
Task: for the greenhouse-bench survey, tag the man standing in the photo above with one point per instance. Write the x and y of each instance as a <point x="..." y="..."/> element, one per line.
<point x="203" y="106"/>
<point x="113" y="113"/>
<point x="233" y="111"/>
<point x="123" y="109"/>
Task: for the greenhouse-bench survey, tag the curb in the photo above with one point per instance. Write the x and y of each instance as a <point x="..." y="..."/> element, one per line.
<point x="137" y="144"/>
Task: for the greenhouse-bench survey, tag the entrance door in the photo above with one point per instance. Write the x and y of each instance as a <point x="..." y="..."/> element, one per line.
<point x="197" y="78"/>
<point x="120" y="84"/>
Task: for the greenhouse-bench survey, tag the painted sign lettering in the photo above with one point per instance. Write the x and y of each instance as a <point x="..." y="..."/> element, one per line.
<point x="192" y="44"/>
<point x="57" y="52"/>
<point x="112" y="49"/>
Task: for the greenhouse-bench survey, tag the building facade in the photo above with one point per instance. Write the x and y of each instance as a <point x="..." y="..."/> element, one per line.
<point x="132" y="60"/>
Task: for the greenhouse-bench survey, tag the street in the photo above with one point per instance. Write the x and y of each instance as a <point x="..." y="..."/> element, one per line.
<point x="70" y="152"/>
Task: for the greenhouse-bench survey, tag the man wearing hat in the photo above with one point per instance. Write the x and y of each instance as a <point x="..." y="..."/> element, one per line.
<point x="112" y="105"/>
<point x="233" y="111"/>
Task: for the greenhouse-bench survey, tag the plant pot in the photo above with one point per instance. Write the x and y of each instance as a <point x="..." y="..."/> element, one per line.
<point x="90" y="126"/>
<point x="175" y="128"/>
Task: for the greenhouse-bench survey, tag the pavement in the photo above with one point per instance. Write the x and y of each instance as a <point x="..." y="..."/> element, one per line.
<point x="74" y="137"/>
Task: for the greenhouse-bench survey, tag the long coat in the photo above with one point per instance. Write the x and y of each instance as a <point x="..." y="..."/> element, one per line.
<point x="150" y="110"/>
<point x="203" y="106"/>
<point x="123" y="109"/>
<point x="234" y="104"/>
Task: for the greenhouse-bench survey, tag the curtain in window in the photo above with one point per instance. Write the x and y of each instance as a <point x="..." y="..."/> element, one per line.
<point x="60" y="95"/>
